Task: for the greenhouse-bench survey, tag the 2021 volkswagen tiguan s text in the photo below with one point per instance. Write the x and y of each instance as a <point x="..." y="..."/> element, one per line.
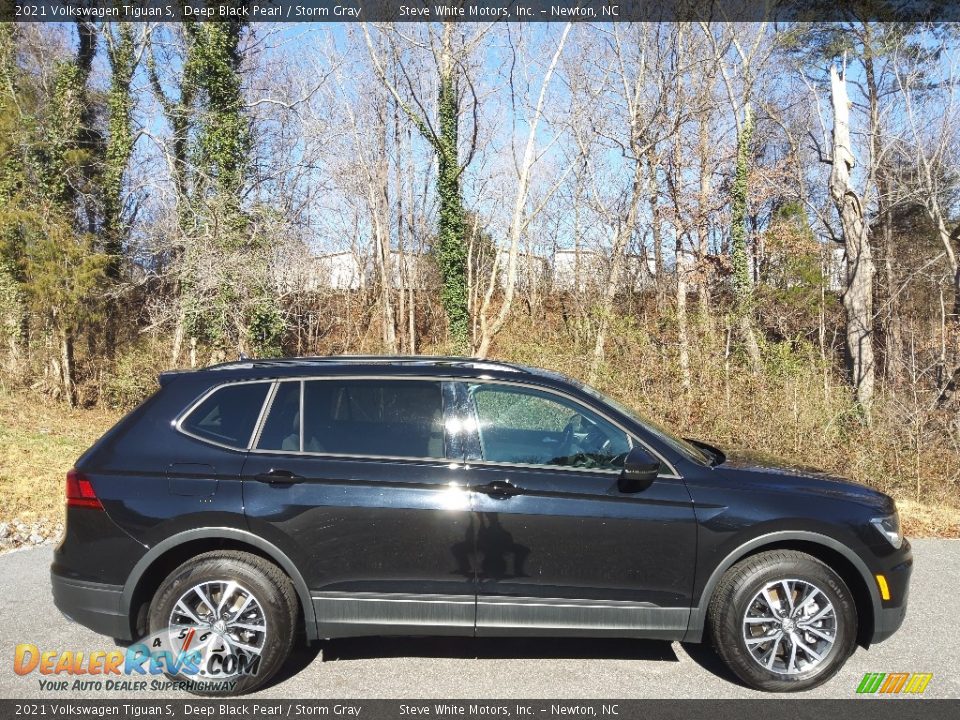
<point x="248" y="503"/>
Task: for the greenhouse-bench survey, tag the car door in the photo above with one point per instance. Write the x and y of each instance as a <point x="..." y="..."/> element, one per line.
<point x="560" y="548"/>
<point x="356" y="480"/>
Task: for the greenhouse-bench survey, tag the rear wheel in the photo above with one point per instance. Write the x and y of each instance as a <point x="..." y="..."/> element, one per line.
<point x="235" y="612"/>
<point x="783" y="621"/>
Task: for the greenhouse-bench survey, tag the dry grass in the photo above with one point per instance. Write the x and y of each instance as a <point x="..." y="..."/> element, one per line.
<point x="39" y="441"/>
<point x="921" y="520"/>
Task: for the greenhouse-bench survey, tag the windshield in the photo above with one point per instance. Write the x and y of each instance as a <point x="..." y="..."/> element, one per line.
<point x="685" y="448"/>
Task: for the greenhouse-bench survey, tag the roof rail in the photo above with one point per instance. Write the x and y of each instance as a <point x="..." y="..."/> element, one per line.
<point x="458" y="360"/>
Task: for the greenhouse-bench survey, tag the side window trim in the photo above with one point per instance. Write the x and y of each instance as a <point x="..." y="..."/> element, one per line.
<point x="303" y="385"/>
<point x="632" y="439"/>
<point x="271" y="398"/>
<point x="262" y="418"/>
<point x="453" y="441"/>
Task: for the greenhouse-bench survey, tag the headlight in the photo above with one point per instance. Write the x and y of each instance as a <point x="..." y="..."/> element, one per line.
<point x="889" y="527"/>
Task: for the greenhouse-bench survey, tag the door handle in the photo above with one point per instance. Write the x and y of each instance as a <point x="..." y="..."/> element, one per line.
<point x="500" y="489"/>
<point x="279" y="477"/>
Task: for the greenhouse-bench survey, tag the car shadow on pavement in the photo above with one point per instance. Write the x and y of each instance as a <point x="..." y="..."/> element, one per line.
<point x="496" y="648"/>
<point x="301" y="657"/>
<point x="706" y="657"/>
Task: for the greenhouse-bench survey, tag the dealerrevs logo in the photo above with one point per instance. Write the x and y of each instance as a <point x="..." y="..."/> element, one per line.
<point x="894" y="683"/>
<point x="189" y="660"/>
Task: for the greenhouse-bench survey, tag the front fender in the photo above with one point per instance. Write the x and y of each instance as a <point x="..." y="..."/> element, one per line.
<point x="698" y="614"/>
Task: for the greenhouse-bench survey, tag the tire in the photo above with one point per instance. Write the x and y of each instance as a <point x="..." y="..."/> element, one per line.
<point x="741" y="621"/>
<point x="263" y="597"/>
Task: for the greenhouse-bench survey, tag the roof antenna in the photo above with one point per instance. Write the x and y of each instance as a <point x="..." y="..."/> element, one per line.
<point x="242" y="356"/>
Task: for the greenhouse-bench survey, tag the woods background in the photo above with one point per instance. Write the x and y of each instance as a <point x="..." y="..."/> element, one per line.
<point x="749" y="232"/>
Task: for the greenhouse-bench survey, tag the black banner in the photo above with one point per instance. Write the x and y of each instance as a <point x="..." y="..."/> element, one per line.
<point x="478" y="10"/>
<point x="796" y="706"/>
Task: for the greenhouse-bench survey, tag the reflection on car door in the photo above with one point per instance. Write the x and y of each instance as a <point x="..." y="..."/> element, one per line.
<point x="357" y="474"/>
<point x="559" y="547"/>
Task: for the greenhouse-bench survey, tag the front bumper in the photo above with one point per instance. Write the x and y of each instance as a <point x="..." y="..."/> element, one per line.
<point x="889" y="615"/>
<point x="93" y="605"/>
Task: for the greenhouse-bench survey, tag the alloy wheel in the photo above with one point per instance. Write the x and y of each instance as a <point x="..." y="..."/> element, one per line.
<point x="223" y="620"/>
<point x="790" y="627"/>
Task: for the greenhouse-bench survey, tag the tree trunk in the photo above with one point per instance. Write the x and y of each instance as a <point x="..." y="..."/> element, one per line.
<point x="894" y="332"/>
<point x="858" y="295"/>
<point x="948" y="239"/>
<point x="683" y="340"/>
<point x="656" y="229"/>
<point x="177" y="339"/>
<point x="703" y="220"/>
<point x="488" y="328"/>
<point x="740" y="259"/>
<point x="66" y="368"/>
<point x="680" y="265"/>
<point x="380" y="208"/>
<point x="452" y="251"/>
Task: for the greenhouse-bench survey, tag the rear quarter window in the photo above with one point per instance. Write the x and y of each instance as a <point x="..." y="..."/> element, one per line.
<point x="228" y="415"/>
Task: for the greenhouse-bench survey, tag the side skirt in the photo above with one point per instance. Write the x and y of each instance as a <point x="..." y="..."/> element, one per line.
<point x="349" y="614"/>
<point x="558" y="617"/>
<point x="353" y="614"/>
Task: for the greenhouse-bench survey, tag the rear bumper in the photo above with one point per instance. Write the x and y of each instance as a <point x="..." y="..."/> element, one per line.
<point x="93" y="605"/>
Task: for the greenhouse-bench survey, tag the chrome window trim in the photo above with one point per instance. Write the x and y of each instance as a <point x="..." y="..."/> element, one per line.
<point x="673" y="475"/>
<point x="264" y="412"/>
<point x="303" y="386"/>
<point x="179" y="420"/>
<point x="372" y="458"/>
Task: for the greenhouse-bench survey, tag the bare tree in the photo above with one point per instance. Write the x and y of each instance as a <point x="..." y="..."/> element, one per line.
<point x="451" y="61"/>
<point x="521" y="216"/>
<point x="858" y="295"/>
<point x="930" y="105"/>
<point x="644" y="69"/>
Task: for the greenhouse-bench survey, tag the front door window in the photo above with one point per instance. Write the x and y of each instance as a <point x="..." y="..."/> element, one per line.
<point x="525" y="426"/>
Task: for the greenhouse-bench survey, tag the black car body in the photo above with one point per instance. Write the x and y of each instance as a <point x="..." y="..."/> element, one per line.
<point x="367" y="482"/>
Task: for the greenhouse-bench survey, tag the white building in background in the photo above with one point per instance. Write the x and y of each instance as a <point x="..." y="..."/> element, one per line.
<point x="532" y="270"/>
<point x="836" y="268"/>
<point x="408" y="270"/>
<point x="338" y="271"/>
<point x="639" y="272"/>
<point x="348" y="271"/>
<point x="569" y="270"/>
<point x="582" y="270"/>
<point x="576" y="270"/>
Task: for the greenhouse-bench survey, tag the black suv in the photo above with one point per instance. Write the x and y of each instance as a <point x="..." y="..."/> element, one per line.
<point x="251" y="502"/>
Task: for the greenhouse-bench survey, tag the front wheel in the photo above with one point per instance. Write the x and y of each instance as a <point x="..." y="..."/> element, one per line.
<point x="230" y="616"/>
<point x="783" y="621"/>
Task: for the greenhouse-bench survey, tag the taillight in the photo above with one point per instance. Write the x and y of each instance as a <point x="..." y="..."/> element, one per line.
<point x="80" y="492"/>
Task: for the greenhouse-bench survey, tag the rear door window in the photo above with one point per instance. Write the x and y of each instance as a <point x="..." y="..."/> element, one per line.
<point x="374" y="418"/>
<point x="227" y="416"/>
<point x="281" y="431"/>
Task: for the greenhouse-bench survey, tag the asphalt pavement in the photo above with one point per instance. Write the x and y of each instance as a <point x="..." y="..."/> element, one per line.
<point x="928" y="642"/>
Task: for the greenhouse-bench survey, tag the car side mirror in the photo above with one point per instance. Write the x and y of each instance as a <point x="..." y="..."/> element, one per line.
<point x="640" y="469"/>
